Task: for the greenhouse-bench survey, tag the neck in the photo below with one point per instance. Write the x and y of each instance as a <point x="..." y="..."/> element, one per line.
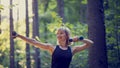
<point x="62" y="44"/>
<point x="63" y="47"/>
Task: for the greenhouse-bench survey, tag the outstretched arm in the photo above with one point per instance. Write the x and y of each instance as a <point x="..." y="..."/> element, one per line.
<point x="35" y="43"/>
<point x="78" y="48"/>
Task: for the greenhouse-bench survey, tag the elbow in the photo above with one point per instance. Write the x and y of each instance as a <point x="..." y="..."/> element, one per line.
<point x="90" y="43"/>
<point x="32" y="41"/>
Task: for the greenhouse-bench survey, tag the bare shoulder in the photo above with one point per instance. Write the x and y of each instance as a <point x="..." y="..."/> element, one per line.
<point x="45" y="46"/>
<point x="50" y="47"/>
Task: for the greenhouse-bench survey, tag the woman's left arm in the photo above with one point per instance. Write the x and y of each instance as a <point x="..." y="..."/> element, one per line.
<point x="87" y="44"/>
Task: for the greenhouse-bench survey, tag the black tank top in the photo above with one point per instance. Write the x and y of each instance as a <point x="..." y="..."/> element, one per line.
<point x="61" y="58"/>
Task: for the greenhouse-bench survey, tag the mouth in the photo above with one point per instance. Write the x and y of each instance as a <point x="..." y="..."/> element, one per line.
<point x="60" y="38"/>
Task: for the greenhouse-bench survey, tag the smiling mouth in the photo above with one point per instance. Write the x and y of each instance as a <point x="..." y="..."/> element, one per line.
<point x="59" y="38"/>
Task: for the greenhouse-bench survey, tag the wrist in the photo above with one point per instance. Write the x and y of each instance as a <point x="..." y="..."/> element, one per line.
<point x="81" y="38"/>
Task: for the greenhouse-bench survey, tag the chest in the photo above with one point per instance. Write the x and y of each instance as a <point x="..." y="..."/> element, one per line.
<point x="60" y="54"/>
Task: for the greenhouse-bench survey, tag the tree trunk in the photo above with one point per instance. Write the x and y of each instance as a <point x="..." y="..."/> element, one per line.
<point x="45" y="22"/>
<point x="17" y="65"/>
<point x="17" y="25"/>
<point x="28" y="62"/>
<point x="82" y="12"/>
<point x="96" y="32"/>
<point x="60" y="6"/>
<point x="0" y="19"/>
<point x="12" y="62"/>
<point x="36" y="32"/>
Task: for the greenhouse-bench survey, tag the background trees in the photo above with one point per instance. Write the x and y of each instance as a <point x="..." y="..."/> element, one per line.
<point x="48" y="18"/>
<point x="35" y="32"/>
<point x="28" y="60"/>
<point x="112" y="30"/>
<point x="96" y="32"/>
<point x="12" y="61"/>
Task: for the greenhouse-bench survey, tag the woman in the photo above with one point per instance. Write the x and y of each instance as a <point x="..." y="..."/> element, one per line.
<point x="62" y="53"/>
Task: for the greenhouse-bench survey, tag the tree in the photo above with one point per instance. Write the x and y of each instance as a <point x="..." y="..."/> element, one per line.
<point x="82" y="12"/>
<point x="36" y="32"/>
<point x="60" y="7"/>
<point x="96" y="32"/>
<point x="12" y="62"/>
<point x="28" y="62"/>
<point x="0" y="18"/>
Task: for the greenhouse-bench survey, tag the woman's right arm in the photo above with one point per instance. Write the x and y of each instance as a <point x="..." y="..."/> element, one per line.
<point x="36" y="43"/>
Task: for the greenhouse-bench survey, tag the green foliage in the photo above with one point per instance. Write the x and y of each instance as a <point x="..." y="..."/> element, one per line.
<point x="45" y="59"/>
<point x="112" y="32"/>
<point x="84" y="1"/>
<point x="43" y="6"/>
<point x="57" y="22"/>
<point x="13" y="5"/>
<point x="1" y="7"/>
<point x="80" y="60"/>
<point x="4" y="45"/>
<point x="75" y="10"/>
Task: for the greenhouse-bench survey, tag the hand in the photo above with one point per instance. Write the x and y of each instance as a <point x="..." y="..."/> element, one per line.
<point x="75" y="39"/>
<point x="14" y="34"/>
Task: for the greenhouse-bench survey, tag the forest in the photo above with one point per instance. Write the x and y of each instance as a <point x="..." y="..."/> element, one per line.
<point x="98" y="20"/>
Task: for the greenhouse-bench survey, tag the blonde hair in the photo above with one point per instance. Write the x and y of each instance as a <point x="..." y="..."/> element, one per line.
<point x="67" y="32"/>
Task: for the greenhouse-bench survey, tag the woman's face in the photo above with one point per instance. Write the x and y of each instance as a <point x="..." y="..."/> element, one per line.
<point x="61" y="36"/>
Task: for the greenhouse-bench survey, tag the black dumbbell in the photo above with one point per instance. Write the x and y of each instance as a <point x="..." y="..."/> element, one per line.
<point x="80" y="38"/>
